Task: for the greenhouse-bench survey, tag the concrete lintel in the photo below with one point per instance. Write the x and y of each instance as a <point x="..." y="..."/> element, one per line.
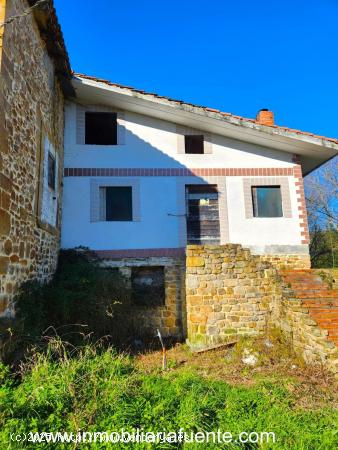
<point x="278" y="249"/>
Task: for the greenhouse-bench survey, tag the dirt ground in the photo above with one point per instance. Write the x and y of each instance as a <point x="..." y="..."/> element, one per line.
<point x="311" y="387"/>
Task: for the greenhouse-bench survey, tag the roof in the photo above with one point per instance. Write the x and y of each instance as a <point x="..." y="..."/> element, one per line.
<point x="51" y="33"/>
<point x="240" y="119"/>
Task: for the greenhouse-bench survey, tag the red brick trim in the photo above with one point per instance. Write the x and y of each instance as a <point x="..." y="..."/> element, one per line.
<point x="180" y="172"/>
<point x="304" y="229"/>
<point x="140" y="253"/>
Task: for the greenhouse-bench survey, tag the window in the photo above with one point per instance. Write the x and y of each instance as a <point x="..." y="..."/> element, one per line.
<point x="267" y="201"/>
<point x="101" y="128"/>
<point x="116" y="203"/>
<point x="51" y="171"/>
<point x="203" y="225"/>
<point x="194" y="144"/>
<point x="148" y="286"/>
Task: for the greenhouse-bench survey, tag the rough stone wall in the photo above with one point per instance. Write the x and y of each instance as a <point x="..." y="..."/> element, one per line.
<point x="31" y="109"/>
<point x="228" y="293"/>
<point x="288" y="261"/>
<point x="308" y="340"/>
<point x="168" y="318"/>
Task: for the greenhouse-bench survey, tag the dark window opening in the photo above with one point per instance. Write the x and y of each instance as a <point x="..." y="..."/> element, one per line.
<point x="148" y="287"/>
<point x="202" y="214"/>
<point x="267" y="201"/>
<point x="119" y="203"/>
<point x="194" y="144"/>
<point x="51" y="171"/>
<point x="101" y="128"/>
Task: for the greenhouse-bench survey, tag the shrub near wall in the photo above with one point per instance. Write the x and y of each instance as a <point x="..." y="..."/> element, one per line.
<point x="82" y="301"/>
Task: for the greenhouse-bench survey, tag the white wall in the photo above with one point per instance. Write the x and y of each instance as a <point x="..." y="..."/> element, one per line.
<point x="260" y="231"/>
<point x="151" y="143"/>
<point x="155" y="229"/>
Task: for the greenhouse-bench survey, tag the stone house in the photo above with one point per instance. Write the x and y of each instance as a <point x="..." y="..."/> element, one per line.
<point x="145" y="176"/>
<point x="35" y="79"/>
<point x="202" y="211"/>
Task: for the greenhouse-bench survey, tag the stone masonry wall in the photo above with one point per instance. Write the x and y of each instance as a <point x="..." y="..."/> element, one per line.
<point x="31" y="108"/>
<point x="169" y="318"/>
<point x="292" y="261"/>
<point x="228" y="293"/>
<point x="308" y="340"/>
<point x="307" y="297"/>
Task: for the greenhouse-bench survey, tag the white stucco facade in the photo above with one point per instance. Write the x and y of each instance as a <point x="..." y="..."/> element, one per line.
<point x="145" y="142"/>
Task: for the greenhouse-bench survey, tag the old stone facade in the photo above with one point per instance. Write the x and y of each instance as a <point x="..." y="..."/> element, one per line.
<point x="228" y="293"/>
<point x="307" y="314"/>
<point x="169" y="315"/>
<point x="231" y="293"/>
<point x="31" y="130"/>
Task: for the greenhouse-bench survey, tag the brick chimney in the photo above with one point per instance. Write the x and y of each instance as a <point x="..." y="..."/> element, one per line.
<point x="265" y="117"/>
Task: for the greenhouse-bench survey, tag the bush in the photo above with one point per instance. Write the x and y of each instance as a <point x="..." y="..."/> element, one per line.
<point x="82" y="302"/>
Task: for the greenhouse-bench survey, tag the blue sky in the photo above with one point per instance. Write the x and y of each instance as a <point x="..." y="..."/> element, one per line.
<point x="237" y="56"/>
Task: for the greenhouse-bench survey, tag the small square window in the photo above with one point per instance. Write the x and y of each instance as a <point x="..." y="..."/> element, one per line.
<point x="118" y="203"/>
<point x="194" y="144"/>
<point x="148" y="287"/>
<point x="267" y="201"/>
<point x="101" y="128"/>
<point x="51" y="171"/>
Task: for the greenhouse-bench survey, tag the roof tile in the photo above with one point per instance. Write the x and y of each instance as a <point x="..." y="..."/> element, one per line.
<point x="244" y="119"/>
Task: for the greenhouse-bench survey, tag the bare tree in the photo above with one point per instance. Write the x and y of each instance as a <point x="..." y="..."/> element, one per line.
<point x="321" y="189"/>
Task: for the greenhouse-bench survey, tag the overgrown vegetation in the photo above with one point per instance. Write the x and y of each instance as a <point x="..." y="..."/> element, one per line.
<point x="82" y="383"/>
<point x="83" y="303"/>
<point x="324" y="247"/>
<point x="97" y="390"/>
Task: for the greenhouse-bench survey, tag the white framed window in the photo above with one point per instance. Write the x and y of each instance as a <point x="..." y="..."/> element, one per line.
<point x="192" y="141"/>
<point x="99" y="126"/>
<point x="267" y="197"/>
<point x="115" y="200"/>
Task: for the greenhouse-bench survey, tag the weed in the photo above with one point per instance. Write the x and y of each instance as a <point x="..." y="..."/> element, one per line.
<point x="97" y="389"/>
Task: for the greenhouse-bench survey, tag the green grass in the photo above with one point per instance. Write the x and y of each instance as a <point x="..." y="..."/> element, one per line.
<point x="95" y="390"/>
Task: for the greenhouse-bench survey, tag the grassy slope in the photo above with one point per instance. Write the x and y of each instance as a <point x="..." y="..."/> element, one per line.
<point x="101" y="391"/>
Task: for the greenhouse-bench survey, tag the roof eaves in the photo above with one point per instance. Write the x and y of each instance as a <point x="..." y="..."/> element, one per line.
<point x="215" y="113"/>
<point x="51" y="33"/>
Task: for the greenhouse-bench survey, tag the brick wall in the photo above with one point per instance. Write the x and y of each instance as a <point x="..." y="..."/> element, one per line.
<point x="31" y="109"/>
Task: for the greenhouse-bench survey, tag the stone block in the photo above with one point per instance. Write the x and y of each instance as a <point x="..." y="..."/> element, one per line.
<point x="5" y="222"/>
<point x="8" y="247"/>
<point x="195" y="261"/>
<point x="193" y="282"/>
<point x="4" y="261"/>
